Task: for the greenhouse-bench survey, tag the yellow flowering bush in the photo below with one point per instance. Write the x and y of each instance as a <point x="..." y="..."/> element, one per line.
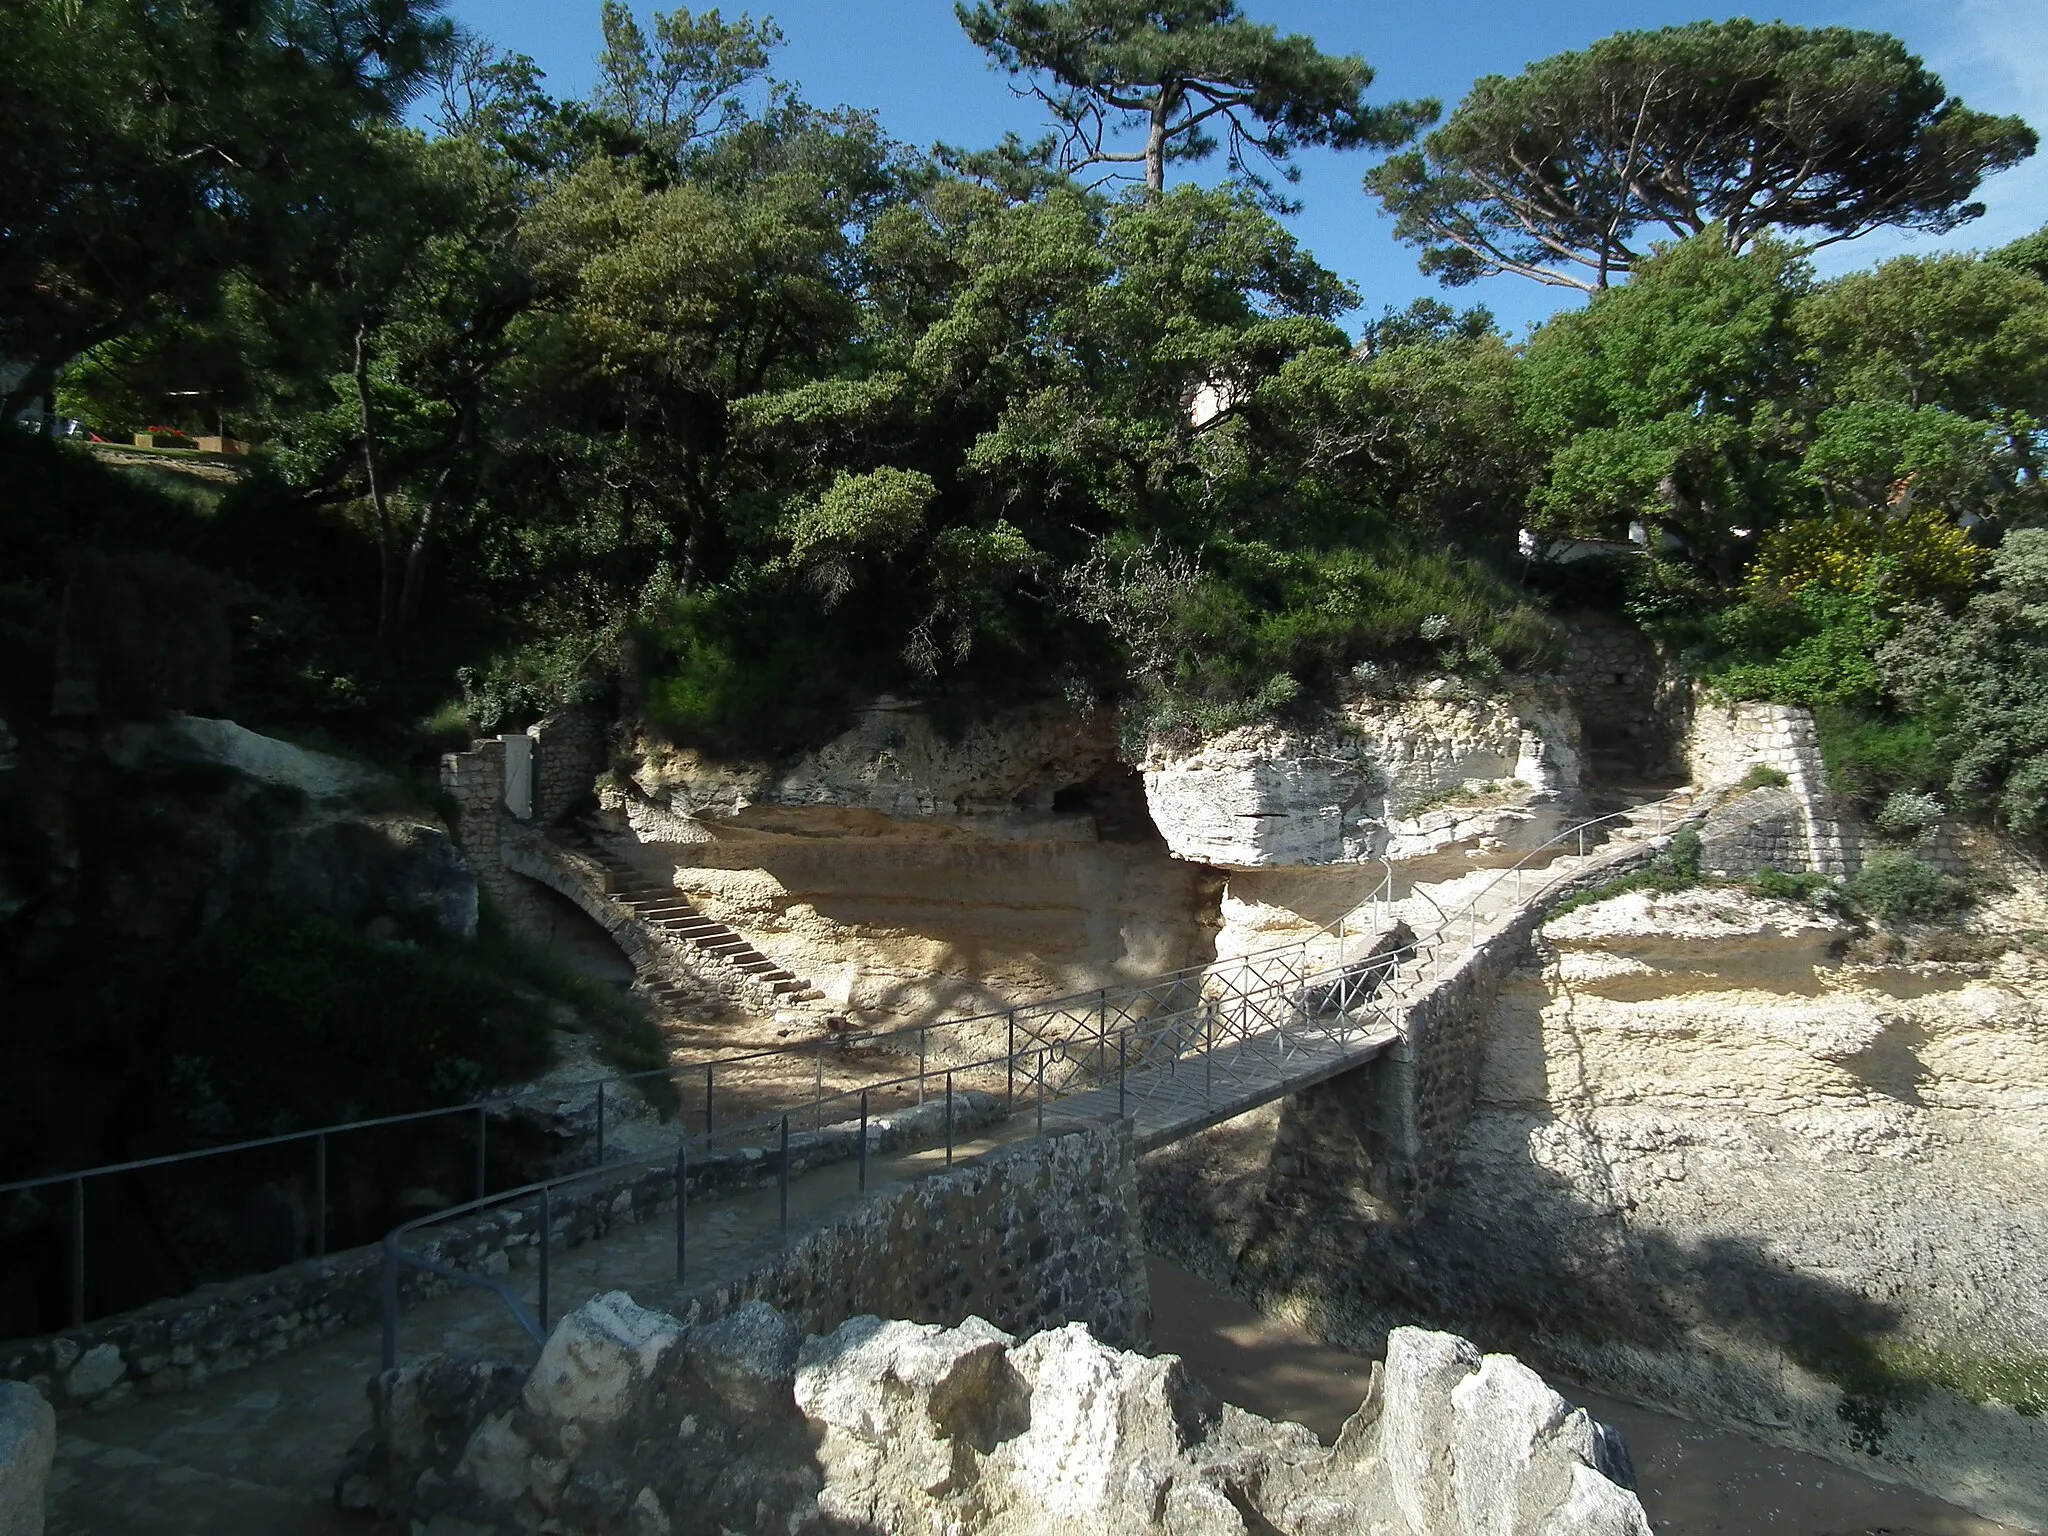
<point x="1912" y="554"/>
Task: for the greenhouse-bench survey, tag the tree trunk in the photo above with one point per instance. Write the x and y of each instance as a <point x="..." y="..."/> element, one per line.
<point x="387" y="555"/>
<point x="1155" y="140"/>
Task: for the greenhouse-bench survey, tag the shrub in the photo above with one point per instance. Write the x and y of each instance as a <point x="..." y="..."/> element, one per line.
<point x="1869" y="758"/>
<point x="1782" y="885"/>
<point x="1762" y="776"/>
<point x="1908" y="813"/>
<point x="1899" y="888"/>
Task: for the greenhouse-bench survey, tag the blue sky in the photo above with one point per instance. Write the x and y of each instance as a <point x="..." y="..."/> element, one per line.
<point x="908" y="61"/>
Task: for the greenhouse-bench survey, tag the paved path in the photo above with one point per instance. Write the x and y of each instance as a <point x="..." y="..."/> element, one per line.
<point x="256" y="1452"/>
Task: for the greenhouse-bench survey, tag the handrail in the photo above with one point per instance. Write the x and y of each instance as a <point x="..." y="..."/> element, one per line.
<point x="482" y="1108"/>
<point x="1350" y="980"/>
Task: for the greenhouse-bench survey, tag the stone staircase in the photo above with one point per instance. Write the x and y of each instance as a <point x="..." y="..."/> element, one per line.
<point x="667" y="913"/>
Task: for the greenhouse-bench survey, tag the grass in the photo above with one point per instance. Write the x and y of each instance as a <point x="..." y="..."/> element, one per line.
<point x="1762" y="776"/>
<point x="1675" y="869"/>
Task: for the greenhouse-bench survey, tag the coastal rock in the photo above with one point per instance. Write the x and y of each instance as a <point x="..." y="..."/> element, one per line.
<point x="28" y="1444"/>
<point x="902" y="1426"/>
<point x="1396" y="779"/>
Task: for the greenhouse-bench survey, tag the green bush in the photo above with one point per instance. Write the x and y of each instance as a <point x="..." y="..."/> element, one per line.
<point x="1899" y="888"/>
<point x="282" y="1022"/>
<point x="1869" y="757"/>
<point x="1782" y="885"/>
<point x="1762" y="776"/>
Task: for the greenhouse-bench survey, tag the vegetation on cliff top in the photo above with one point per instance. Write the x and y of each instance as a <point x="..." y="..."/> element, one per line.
<point x="698" y="391"/>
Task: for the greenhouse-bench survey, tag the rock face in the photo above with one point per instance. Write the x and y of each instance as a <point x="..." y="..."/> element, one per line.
<point x="28" y="1444"/>
<point x="632" y="1423"/>
<point x="1712" y="1160"/>
<point x="898" y="763"/>
<point x="908" y="874"/>
<point x="1397" y="780"/>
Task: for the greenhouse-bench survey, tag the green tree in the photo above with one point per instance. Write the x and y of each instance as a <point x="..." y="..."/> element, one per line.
<point x="1665" y="401"/>
<point x="1935" y="374"/>
<point x="683" y="87"/>
<point x="149" y="148"/>
<point x="1980" y="678"/>
<point x="1180" y="72"/>
<point x="1562" y="172"/>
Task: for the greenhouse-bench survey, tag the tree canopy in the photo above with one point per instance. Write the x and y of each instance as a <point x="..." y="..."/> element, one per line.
<point x="1564" y="171"/>
<point x="1181" y="73"/>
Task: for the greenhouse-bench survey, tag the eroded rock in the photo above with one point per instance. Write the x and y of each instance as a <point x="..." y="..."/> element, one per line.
<point x="634" y="1423"/>
<point x="28" y="1444"/>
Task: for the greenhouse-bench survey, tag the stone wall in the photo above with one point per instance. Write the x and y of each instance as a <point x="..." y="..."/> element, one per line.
<point x="1799" y="828"/>
<point x="1631" y="705"/>
<point x="1030" y="1237"/>
<point x="570" y="750"/>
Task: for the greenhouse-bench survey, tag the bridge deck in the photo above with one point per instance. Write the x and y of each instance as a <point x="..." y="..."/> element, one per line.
<point x="1207" y="1088"/>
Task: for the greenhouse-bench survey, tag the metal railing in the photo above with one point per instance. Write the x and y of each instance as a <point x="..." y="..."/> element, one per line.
<point x="1061" y="1027"/>
<point x="1251" y="1017"/>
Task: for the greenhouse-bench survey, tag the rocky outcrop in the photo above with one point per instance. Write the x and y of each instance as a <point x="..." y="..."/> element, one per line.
<point x="1711" y="1159"/>
<point x="1393" y="780"/>
<point x="896" y="761"/>
<point x="28" y="1445"/>
<point x="633" y="1423"/>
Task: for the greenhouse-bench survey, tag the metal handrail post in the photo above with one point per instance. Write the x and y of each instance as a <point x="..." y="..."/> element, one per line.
<point x="949" y="1119"/>
<point x="707" y="1108"/>
<point x="78" y="1253"/>
<point x="818" y="1087"/>
<point x="783" y="1178"/>
<point x="920" y="1064"/>
<point x="1041" y="1090"/>
<point x="863" y="1140"/>
<point x="320" y="1196"/>
<point x="1010" y="1066"/>
<point x="1121" y="1055"/>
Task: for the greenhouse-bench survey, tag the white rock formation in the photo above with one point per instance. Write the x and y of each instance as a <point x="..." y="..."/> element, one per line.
<point x="896" y="762"/>
<point x="632" y="1423"/>
<point x="598" y="1357"/>
<point x="1395" y="780"/>
<point x="28" y="1444"/>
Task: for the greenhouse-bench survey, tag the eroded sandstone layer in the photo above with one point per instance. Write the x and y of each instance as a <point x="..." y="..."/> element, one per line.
<point x="1717" y="1163"/>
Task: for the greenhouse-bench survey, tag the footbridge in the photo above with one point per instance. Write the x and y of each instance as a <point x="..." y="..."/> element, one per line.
<point x="1172" y="1055"/>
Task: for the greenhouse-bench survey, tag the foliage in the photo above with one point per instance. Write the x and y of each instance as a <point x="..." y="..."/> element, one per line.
<point x="1913" y="554"/>
<point x="1870" y="757"/>
<point x="1819" y="650"/>
<point x="1824" y="134"/>
<point x="1908" y="813"/>
<point x="1781" y="885"/>
<point x="1662" y="400"/>
<point x="1980" y="679"/>
<point x="397" y="1026"/>
<point x="1900" y="888"/>
<point x="1180" y="72"/>
<point x="1677" y="868"/>
<point x="149" y="146"/>
<point x="1762" y="776"/>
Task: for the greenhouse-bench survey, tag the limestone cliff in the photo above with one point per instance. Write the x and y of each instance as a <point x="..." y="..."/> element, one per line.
<point x="1389" y="779"/>
<point x="1721" y="1158"/>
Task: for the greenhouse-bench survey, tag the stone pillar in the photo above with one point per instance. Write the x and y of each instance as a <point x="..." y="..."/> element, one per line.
<point x="519" y="775"/>
<point x="569" y="751"/>
<point x="476" y="779"/>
